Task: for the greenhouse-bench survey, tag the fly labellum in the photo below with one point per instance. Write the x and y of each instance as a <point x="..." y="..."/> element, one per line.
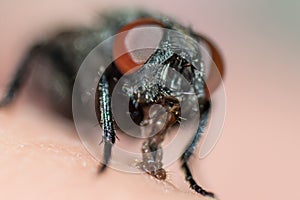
<point x="138" y="73"/>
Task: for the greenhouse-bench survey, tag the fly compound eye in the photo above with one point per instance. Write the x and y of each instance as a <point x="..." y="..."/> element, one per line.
<point x="131" y="38"/>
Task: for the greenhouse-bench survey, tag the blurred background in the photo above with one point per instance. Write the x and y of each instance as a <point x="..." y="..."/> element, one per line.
<point x="258" y="154"/>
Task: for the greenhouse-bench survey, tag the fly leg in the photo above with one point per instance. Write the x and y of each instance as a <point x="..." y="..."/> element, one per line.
<point x="39" y="52"/>
<point x="192" y="182"/>
<point x="19" y="78"/>
<point x="191" y="148"/>
<point x="204" y="106"/>
<point x="104" y="114"/>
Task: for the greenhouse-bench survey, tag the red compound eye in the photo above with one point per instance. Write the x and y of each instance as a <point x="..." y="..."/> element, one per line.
<point x="125" y="59"/>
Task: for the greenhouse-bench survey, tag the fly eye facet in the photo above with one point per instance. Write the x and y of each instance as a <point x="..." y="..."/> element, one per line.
<point x="130" y="38"/>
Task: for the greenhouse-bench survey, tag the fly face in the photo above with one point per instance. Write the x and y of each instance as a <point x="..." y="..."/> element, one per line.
<point x="165" y="79"/>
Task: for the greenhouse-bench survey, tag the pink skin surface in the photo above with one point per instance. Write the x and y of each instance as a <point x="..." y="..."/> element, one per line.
<point x="257" y="156"/>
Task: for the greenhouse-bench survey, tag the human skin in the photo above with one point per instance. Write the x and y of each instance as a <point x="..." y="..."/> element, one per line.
<point x="257" y="156"/>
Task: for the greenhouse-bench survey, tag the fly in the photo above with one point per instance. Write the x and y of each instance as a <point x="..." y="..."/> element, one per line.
<point x="67" y="50"/>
